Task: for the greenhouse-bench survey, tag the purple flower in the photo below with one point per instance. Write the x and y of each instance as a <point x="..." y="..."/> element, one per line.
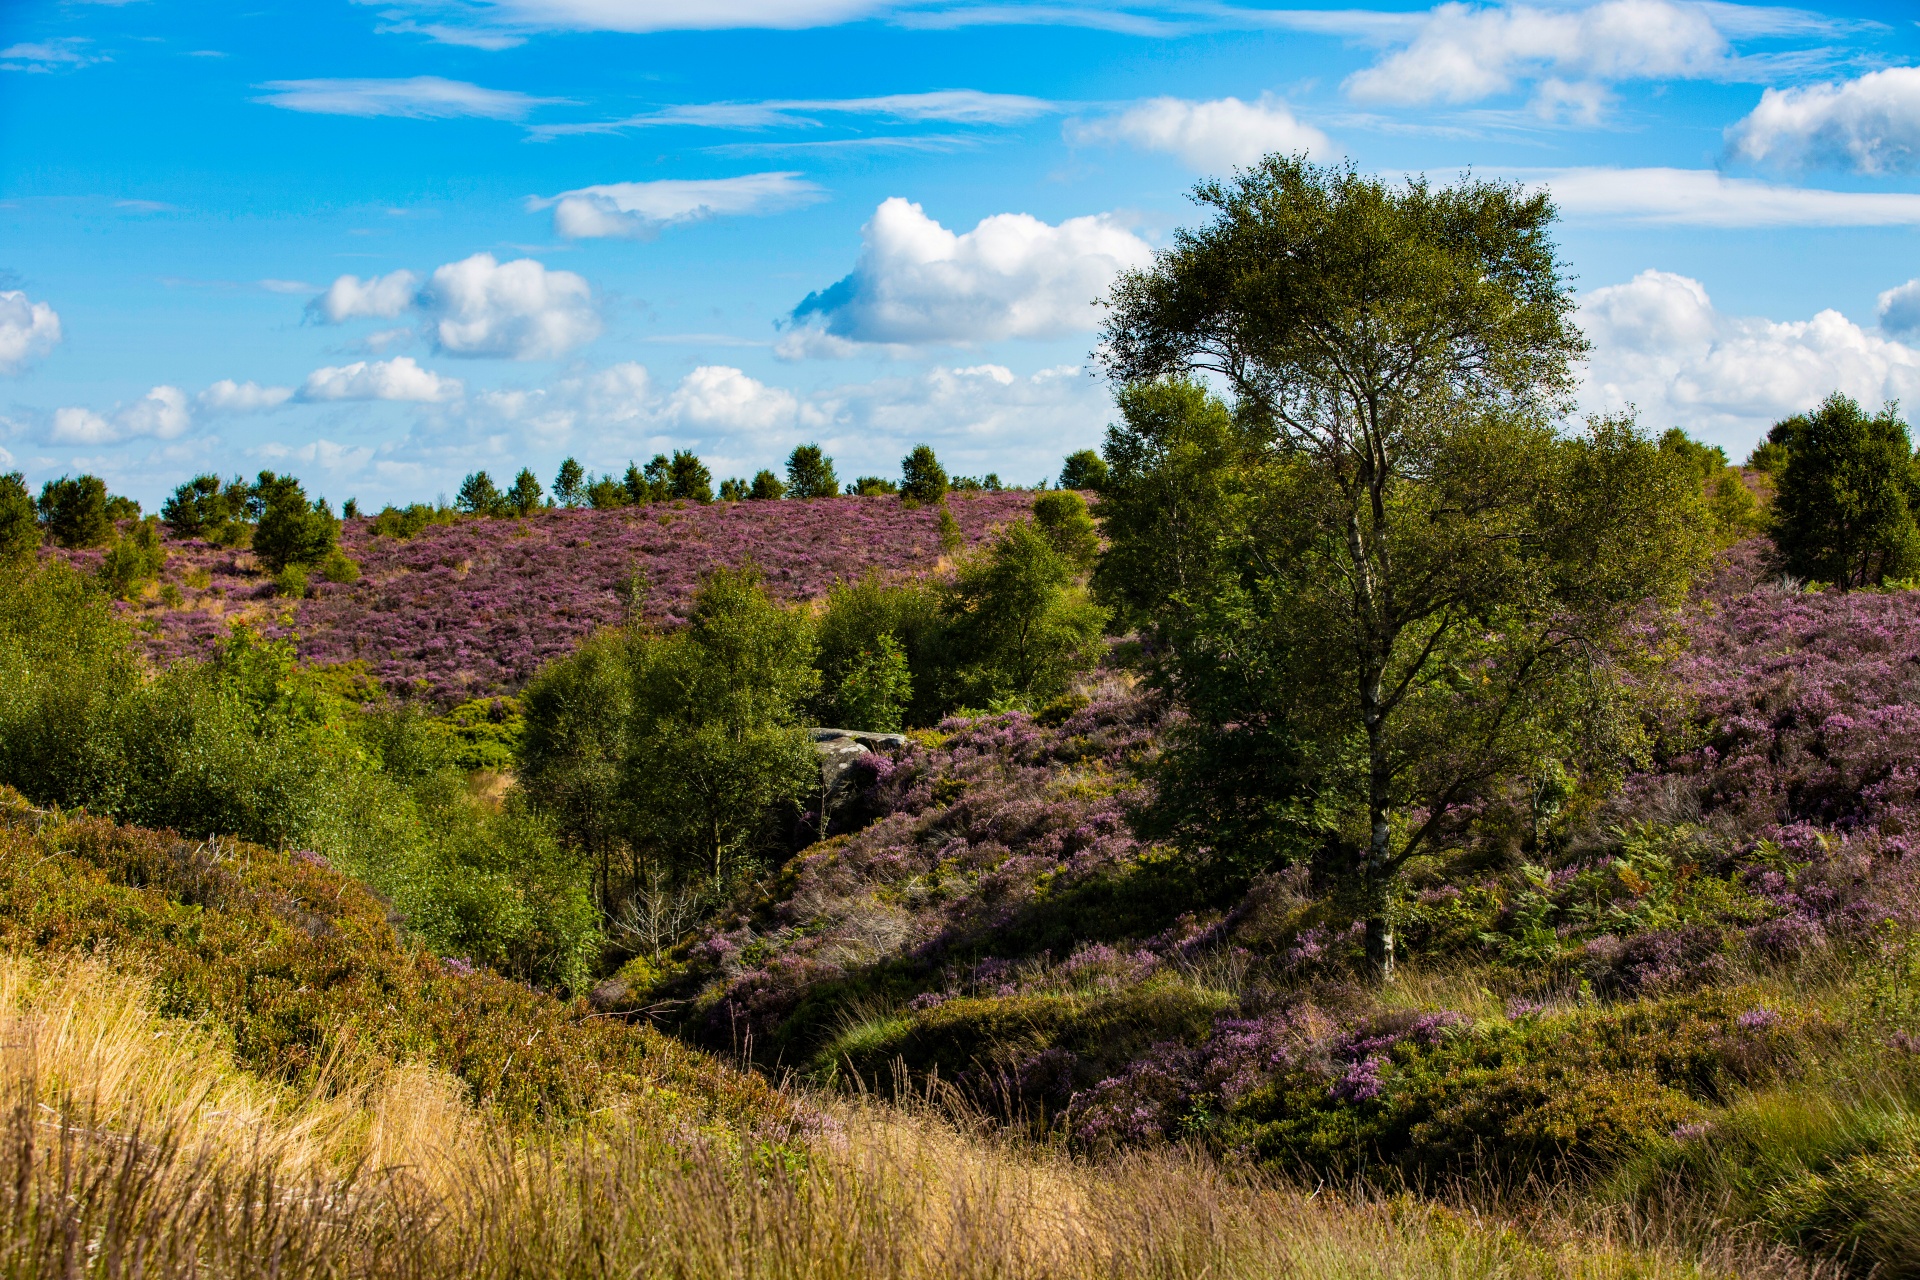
<point x="1758" y="1018"/>
<point x="1361" y="1083"/>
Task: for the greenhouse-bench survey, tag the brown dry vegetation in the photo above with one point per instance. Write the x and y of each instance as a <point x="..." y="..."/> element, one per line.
<point x="134" y="1146"/>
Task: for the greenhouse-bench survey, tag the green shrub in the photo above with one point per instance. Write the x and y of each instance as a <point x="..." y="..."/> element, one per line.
<point x="291" y="582"/>
<point x="810" y="474"/>
<point x="1061" y="516"/>
<point x="404" y="522"/>
<point x="480" y="496"/>
<point x="339" y="567"/>
<point x="767" y="487"/>
<point x="19" y="523"/>
<point x="292" y="531"/>
<point x="134" y="559"/>
<point x="688" y="478"/>
<point x="1084" y="469"/>
<point x="487" y="733"/>
<point x="251" y="745"/>
<point x="922" y="478"/>
<point x="861" y="623"/>
<point x="874" y="487"/>
<point x="1844" y="506"/>
<point x="75" y="511"/>
<point x="1016" y="626"/>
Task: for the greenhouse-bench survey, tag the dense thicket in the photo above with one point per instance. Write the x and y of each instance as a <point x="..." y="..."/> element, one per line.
<point x="1847" y="488"/>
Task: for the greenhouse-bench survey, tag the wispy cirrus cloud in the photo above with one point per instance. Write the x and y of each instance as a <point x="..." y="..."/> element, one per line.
<point x="1706" y="198"/>
<point x="413" y="98"/>
<point x="943" y="106"/>
<point x="637" y="210"/>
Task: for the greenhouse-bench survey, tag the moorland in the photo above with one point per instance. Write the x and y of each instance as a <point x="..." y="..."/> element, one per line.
<point x="1355" y="823"/>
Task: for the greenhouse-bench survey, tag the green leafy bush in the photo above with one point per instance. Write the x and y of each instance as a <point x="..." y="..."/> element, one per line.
<point x="810" y="474"/>
<point x="922" y="478"/>
<point x="292" y="531"/>
<point x="75" y="511"/>
<point x="402" y="523"/>
<point x="19" y="523"/>
<point x="134" y="559"/>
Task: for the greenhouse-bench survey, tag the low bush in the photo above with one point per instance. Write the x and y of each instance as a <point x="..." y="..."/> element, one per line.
<point x="301" y="967"/>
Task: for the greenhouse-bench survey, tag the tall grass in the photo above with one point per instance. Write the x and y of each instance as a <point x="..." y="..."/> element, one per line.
<point x="130" y="1145"/>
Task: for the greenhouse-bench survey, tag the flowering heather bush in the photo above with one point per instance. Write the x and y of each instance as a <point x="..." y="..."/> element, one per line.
<point x="474" y="608"/>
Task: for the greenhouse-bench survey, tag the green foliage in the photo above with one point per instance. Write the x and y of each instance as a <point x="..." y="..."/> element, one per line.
<point x="1832" y="1168"/>
<point x="1396" y="509"/>
<point x="251" y="745"/>
<point x="1768" y="457"/>
<point x="1016" y="624"/>
<point x="1581" y="1090"/>
<point x="1732" y="511"/>
<point x="570" y="484"/>
<point x="203" y="507"/>
<point x="339" y="567"/>
<point x="1061" y="516"/>
<point x="19" y="522"/>
<point x="526" y="496"/>
<point x="75" y="511"/>
<point x="1844" y="506"/>
<point x="350" y="509"/>
<point x="922" y="478"/>
<point x="653" y="483"/>
<point x="874" y="487"/>
<point x="302" y="969"/>
<point x="714" y="742"/>
<point x="1083" y="469"/>
<point x="875" y="688"/>
<point x="810" y="474"/>
<point x="486" y="733"/>
<point x="677" y="749"/>
<point x="291" y="530"/>
<point x="952" y="540"/>
<point x="404" y="522"/>
<point x="767" y="487"/>
<point x="859" y="632"/>
<point x="480" y="496"/>
<point x="733" y="489"/>
<point x="135" y="559"/>
<point x="688" y="478"/>
<point x="606" y="493"/>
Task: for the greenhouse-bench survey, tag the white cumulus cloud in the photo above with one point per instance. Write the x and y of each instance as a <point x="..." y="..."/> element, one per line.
<point x="1869" y="125"/>
<point x="1465" y="53"/>
<point x="350" y="297"/>
<point x="639" y="209"/>
<point x="161" y="414"/>
<point x="1661" y="344"/>
<point x="415" y="98"/>
<point x="396" y="379"/>
<point x="1899" y="308"/>
<point x="1012" y="276"/>
<point x="1208" y="136"/>
<point x="719" y="397"/>
<point x="228" y="396"/>
<point x="478" y="306"/>
<point x="28" y="330"/>
<point x="517" y="310"/>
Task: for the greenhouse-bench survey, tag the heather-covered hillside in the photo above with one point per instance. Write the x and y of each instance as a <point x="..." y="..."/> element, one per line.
<point x="475" y="607"/>
<point x="1722" y="946"/>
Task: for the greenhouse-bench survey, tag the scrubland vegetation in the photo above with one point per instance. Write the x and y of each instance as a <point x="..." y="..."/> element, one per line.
<point x="1392" y="832"/>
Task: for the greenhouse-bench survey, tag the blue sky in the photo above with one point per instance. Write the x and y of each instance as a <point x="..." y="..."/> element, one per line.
<point x="381" y="244"/>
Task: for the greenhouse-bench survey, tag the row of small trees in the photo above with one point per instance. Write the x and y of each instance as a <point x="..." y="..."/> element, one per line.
<point x="683" y="477"/>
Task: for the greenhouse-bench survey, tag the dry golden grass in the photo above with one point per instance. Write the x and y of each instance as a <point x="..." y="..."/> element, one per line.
<point x="132" y="1146"/>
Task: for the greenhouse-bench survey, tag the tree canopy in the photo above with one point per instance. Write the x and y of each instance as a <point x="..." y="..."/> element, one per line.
<point x="1844" y="509"/>
<point x="1381" y="573"/>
